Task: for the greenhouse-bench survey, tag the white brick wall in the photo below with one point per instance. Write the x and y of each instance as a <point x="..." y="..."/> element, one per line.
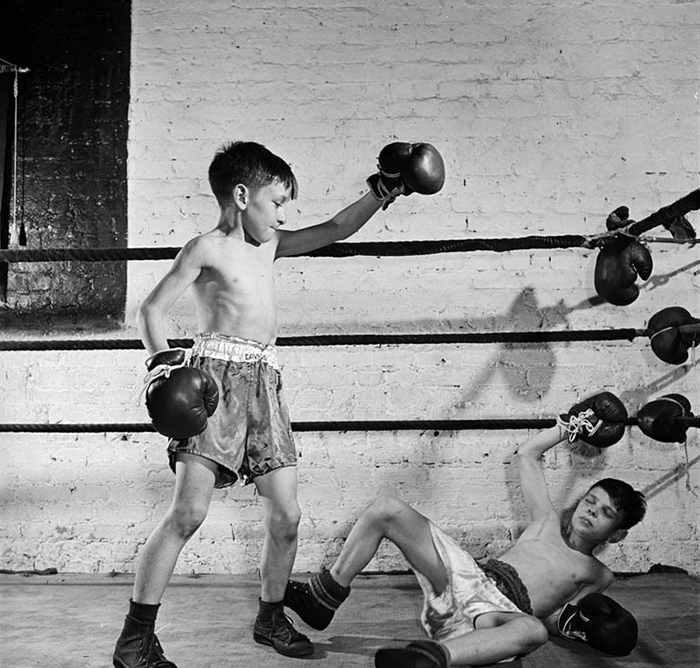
<point x="548" y="115"/>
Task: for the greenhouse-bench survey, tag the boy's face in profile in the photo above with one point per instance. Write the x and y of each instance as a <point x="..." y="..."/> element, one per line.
<point x="265" y="211"/>
<point x="596" y="517"/>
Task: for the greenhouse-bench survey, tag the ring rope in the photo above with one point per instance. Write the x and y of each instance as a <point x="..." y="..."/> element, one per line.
<point x="342" y="425"/>
<point x="666" y="214"/>
<point x="627" y="334"/>
<point x="345" y="249"/>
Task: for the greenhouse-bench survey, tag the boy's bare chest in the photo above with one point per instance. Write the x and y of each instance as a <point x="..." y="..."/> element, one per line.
<point x="240" y="272"/>
<point x="548" y="556"/>
<point x="552" y="572"/>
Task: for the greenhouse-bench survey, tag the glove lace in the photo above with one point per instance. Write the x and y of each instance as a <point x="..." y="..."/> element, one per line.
<point x="162" y="371"/>
<point x="579" y="424"/>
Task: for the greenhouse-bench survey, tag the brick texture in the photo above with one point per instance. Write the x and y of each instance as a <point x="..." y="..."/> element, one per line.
<point x="548" y="115"/>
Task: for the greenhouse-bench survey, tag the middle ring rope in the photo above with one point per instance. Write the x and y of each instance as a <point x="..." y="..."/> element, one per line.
<point x="627" y="334"/>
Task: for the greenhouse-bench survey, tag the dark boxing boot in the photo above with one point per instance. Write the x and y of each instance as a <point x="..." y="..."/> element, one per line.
<point x="418" y="654"/>
<point x="274" y="628"/>
<point x="139" y="647"/>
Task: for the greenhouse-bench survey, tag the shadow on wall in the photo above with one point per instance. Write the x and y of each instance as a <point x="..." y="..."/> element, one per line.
<point x="528" y="369"/>
<point x="672" y="477"/>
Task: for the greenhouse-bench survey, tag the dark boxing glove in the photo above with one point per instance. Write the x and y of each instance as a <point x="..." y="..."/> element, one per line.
<point x="617" y="266"/>
<point x="663" y="419"/>
<point x="672" y="331"/>
<point x="619" y="263"/>
<point x="599" y="420"/>
<point x="601" y="622"/>
<point x="407" y="168"/>
<point x="179" y="398"/>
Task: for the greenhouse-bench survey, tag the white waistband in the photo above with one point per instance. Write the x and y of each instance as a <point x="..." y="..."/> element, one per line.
<point x="234" y="349"/>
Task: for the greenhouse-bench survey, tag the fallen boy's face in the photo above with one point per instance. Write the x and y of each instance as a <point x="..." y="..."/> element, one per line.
<point x="595" y="516"/>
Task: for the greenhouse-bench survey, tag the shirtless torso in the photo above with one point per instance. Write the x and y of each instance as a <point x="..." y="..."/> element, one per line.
<point x="234" y="293"/>
<point x="551" y="569"/>
<point x="231" y="268"/>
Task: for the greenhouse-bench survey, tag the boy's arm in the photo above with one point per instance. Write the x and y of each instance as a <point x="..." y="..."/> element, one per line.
<point x="596" y="619"/>
<point x="151" y="315"/>
<point x="532" y="478"/>
<point x="605" y="580"/>
<point x="404" y="169"/>
<point x="342" y="225"/>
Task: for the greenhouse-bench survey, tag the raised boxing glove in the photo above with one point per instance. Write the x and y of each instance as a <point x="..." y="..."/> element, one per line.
<point x="599" y="420"/>
<point x="672" y="331"/>
<point x="179" y="398"/>
<point x="406" y="168"/>
<point x="617" y="267"/>
<point x="664" y="419"/>
<point x="601" y="622"/>
<point x="619" y="263"/>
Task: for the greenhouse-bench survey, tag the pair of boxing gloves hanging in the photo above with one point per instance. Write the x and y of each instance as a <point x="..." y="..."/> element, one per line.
<point x="622" y="259"/>
<point x="600" y="420"/>
<point x="181" y="398"/>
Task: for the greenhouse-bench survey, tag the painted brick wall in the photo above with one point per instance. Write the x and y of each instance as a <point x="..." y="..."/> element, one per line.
<point x="548" y="114"/>
<point x="71" y="152"/>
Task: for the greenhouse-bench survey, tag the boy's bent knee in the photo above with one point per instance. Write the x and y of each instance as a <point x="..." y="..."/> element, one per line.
<point x="385" y="508"/>
<point x="186" y="521"/>
<point x="284" y="524"/>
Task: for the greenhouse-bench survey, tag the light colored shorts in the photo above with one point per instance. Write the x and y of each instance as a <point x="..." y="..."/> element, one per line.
<point x="250" y="433"/>
<point x="468" y="594"/>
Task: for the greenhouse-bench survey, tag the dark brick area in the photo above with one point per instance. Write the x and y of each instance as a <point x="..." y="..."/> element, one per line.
<point x="73" y="122"/>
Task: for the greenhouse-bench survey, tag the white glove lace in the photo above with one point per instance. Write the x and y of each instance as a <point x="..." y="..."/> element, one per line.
<point x="162" y="371"/>
<point x="579" y="424"/>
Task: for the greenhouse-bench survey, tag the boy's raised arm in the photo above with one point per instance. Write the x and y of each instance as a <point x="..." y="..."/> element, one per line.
<point x="532" y="478"/>
<point x="403" y="169"/>
<point x="341" y="226"/>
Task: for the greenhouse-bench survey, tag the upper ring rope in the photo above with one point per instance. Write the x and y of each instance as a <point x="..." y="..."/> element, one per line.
<point x="665" y="215"/>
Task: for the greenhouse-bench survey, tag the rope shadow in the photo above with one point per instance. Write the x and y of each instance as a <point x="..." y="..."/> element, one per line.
<point x="663" y="279"/>
<point x="670" y="478"/>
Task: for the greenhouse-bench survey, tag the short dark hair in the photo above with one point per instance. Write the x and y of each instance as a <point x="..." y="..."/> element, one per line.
<point x="627" y="500"/>
<point x="250" y="164"/>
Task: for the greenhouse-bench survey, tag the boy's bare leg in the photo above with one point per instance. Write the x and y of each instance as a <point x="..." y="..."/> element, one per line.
<point x="138" y="645"/>
<point x="194" y="483"/>
<point x="278" y="496"/>
<point x="498" y="636"/>
<point x="387" y="517"/>
<point x="393" y="519"/>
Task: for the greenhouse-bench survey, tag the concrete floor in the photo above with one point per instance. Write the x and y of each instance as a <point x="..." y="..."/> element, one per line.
<point x="66" y="621"/>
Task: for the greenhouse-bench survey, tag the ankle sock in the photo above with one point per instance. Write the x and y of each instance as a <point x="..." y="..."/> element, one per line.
<point x="329" y="593"/>
<point x="143" y="613"/>
<point x="266" y="608"/>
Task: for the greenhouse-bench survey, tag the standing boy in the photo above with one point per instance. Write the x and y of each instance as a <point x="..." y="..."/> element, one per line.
<point x="548" y="581"/>
<point x="248" y="436"/>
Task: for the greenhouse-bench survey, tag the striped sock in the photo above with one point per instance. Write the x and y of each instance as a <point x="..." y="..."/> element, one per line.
<point x="329" y="593"/>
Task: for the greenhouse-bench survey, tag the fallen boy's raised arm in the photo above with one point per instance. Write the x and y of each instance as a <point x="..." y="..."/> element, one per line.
<point x="532" y="479"/>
